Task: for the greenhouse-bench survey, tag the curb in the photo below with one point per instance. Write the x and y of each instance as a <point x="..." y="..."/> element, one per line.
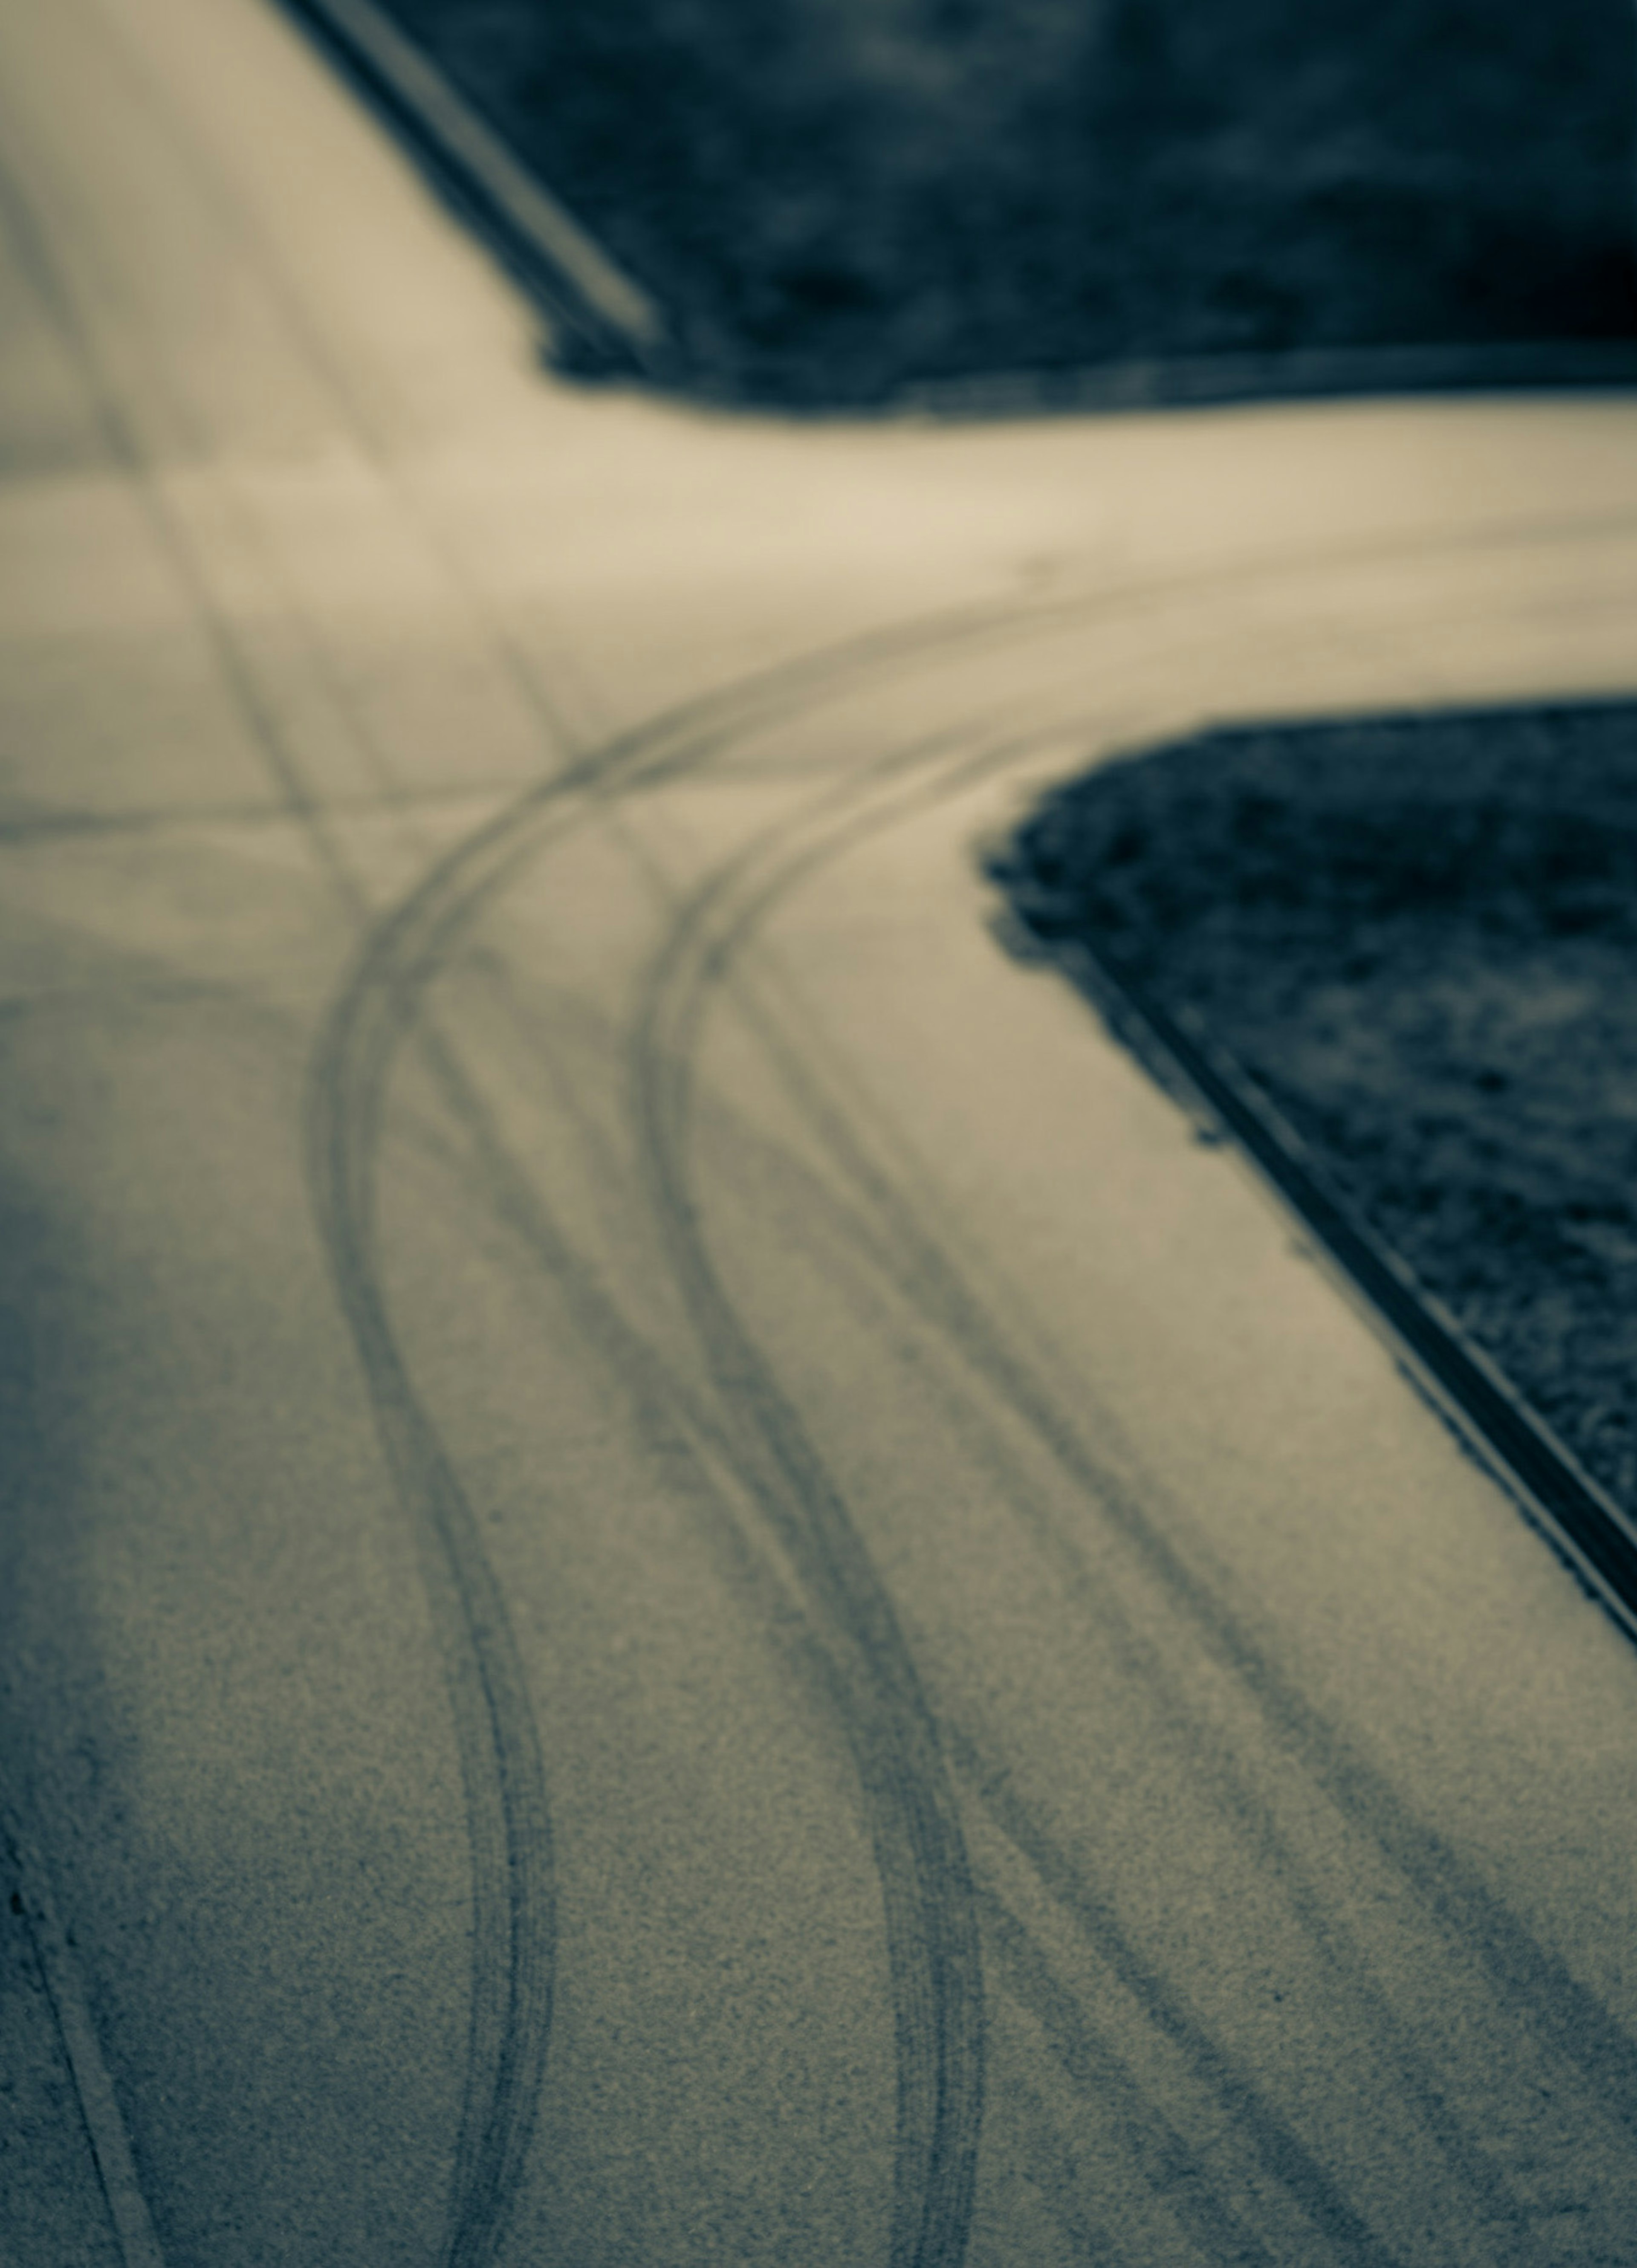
<point x="1582" y="1522"/>
<point x="1294" y="373"/>
<point x="585" y="293"/>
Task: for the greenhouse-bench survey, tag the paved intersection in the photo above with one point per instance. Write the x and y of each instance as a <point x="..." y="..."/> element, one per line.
<point x="683" y="1583"/>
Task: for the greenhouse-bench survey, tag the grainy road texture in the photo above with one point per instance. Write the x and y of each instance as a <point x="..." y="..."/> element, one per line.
<point x="681" y="1584"/>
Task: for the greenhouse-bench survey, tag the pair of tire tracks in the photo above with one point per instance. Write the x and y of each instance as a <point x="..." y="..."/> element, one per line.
<point x="496" y="1738"/>
<point x="916" y="1825"/>
<point x="696" y="963"/>
<point x="382" y="1002"/>
<point x="501" y="1771"/>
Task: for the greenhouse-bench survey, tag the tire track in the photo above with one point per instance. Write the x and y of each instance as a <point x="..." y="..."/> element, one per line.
<point x="406" y="951"/>
<point x="1170" y="2168"/>
<point x="502" y="1769"/>
<point x="495" y="1741"/>
<point x="1471" y="2167"/>
<point x="382" y="1005"/>
<point x="379" y="1006"/>
<point x="25" y="1878"/>
<point x="712" y="933"/>
<point x="933" y="1955"/>
<point x="806" y="1508"/>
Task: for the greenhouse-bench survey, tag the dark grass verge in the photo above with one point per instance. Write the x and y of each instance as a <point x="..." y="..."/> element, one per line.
<point x="1418" y="936"/>
<point x="849" y="203"/>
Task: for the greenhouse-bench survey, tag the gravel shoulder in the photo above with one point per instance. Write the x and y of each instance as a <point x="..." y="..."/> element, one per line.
<point x="1419" y="934"/>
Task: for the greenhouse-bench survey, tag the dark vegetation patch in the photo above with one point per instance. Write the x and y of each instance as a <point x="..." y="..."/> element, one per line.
<point x="841" y="198"/>
<point x="1419" y="934"/>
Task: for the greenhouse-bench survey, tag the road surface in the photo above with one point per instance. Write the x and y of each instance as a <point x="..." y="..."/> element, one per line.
<point x="683" y="1582"/>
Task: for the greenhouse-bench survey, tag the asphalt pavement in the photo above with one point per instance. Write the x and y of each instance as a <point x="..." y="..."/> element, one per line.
<point x="684" y="1582"/>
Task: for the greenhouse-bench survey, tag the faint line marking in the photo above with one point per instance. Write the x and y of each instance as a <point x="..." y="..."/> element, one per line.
<point x="99" y="2104"/>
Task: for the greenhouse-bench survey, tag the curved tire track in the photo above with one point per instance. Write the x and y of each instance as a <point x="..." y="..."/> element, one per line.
<point x="380" y="1005"/>
<point x="497" y="1742"/>
<point x="711" y="933"/>
<point x="926" y="1881"/>
<point x="695" y="965"/>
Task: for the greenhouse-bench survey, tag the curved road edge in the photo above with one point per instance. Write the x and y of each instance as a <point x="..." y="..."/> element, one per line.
<point x="553" y="255"/>
<point x="1578" y="1518"/>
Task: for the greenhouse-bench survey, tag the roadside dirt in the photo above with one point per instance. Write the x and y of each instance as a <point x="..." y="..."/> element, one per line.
<point x="1419" y="934"/>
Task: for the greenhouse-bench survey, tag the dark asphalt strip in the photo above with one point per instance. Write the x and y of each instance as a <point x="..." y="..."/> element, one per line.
<point x="933" y="1953"/>
<point x="1588" y="1528"/>
<point x="1280" y="374"/>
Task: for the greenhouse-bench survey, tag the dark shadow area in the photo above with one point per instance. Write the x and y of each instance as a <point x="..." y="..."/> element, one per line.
<point x="840" y="200"/>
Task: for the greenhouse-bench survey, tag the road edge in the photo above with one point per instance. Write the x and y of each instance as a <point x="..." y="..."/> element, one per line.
<point x="1582" y="1523"/>
<point x="1279" y="375"/>
<point x="617" y="326"/>
<point x="609" y="316"/>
